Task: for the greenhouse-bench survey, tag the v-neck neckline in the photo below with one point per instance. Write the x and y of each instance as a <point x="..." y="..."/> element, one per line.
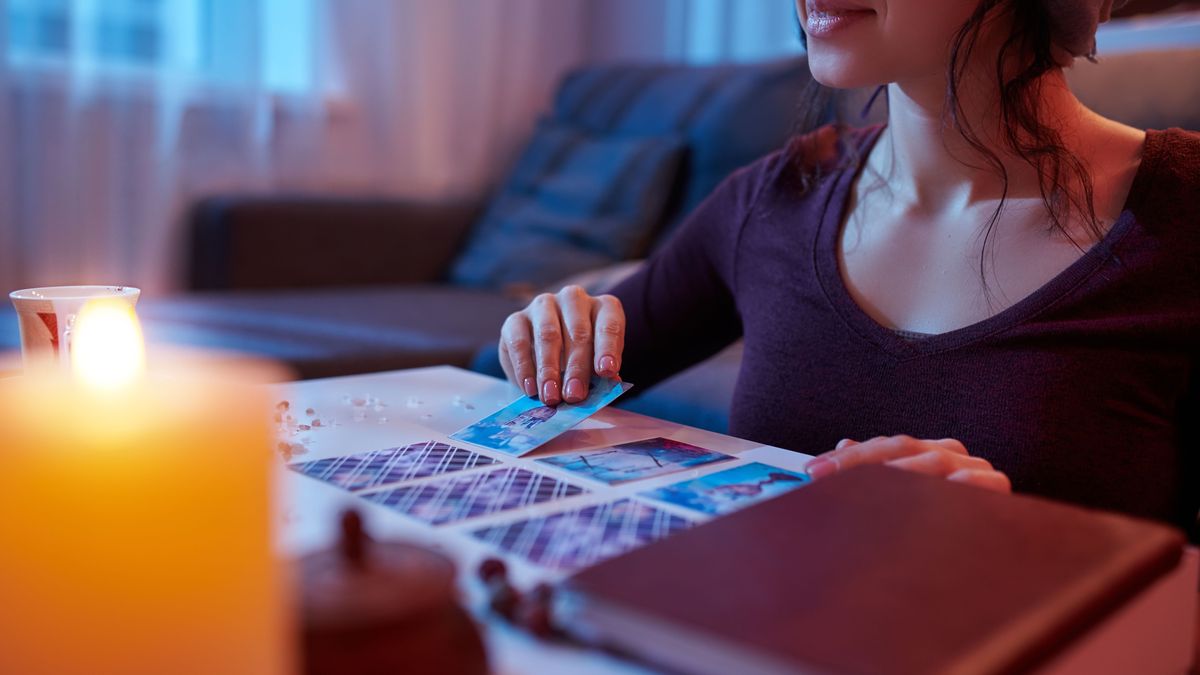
<point x="833" y="282"/>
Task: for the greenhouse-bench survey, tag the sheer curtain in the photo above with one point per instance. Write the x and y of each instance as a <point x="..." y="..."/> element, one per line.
<point x="101" y="99"/>
<point x="440" y="92"/>
<point x="117" y="114"/>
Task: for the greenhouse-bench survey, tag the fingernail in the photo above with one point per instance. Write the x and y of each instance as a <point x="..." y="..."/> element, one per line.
<point x="550" y="392"/>
<point x="574" y="389"/>
<point x="608" y="364"/>
<point x="820" y="467"/>
<point x="842" y="443"/>
<point x="530" y="387"/>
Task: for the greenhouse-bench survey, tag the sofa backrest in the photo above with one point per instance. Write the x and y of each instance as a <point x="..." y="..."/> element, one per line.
<point x="728" y="115"/>
<point x="1147" y="89"/>
<point x="624" y="153"/>
<point x="681" y="129"/>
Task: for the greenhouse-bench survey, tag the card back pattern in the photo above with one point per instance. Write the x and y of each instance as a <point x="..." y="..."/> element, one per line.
<point x="364" y="471"/>
<point x="579" y="537"/>
<point x="457" y="498"/>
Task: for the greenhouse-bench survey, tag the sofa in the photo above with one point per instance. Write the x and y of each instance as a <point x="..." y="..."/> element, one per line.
<point x="336" y="285"/>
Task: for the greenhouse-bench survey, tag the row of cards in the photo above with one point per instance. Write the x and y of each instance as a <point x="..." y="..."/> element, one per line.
<point x="425" y="481"/>
<point x="437" y="483"/>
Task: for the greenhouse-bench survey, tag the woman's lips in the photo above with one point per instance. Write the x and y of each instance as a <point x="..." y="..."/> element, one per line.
<point x="825" y="18"/>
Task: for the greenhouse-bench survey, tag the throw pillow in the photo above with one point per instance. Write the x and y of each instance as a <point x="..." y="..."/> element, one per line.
<point x="573" y="202"/>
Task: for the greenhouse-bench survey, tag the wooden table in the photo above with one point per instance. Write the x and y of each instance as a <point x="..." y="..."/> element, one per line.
<point x="429" y="404"/>
<point x="371" y="412"/>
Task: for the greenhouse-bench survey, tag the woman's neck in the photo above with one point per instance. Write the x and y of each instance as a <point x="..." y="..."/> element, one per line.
<point x="932" y="168"/>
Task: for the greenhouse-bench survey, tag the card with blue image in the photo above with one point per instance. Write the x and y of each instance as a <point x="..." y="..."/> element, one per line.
<point x="637" y="460"/>
<point x="725" y="491"/>
<point x="526" y="423"/>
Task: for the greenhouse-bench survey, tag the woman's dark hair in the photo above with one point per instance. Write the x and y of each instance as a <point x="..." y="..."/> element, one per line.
<point x="1025" y="56"/>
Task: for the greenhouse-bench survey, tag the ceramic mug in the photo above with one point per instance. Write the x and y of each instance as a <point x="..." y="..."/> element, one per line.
<point x="46" y="317"/>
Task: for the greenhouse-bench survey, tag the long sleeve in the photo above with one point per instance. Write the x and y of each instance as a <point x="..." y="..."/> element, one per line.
<point x="681" y="306"/>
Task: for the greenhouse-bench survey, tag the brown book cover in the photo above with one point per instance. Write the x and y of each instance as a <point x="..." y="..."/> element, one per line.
<point x="875" y="570"/>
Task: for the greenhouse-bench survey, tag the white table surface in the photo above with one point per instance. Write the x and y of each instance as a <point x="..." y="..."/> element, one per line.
<point x="384" y="410"/>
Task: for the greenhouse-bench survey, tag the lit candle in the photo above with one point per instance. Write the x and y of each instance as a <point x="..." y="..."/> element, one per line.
<point x="135" y="517"/>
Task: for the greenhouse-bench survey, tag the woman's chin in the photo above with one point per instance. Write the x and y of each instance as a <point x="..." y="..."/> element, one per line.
<point x="839" y="73"/>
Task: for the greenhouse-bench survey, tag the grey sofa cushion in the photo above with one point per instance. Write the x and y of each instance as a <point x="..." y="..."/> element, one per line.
<point x="321" y="333"/>
<point x="597" y="281"/>
<point x="324" y="333"/>
<point x="573" y="202"/>
<point x="700" y="396"/>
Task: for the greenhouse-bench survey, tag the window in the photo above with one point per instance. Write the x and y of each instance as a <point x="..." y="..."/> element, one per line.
<point x="227" y="42"/>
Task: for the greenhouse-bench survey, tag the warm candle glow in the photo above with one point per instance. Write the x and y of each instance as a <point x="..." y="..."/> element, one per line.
<point x="107" y="351"/>
<point x="137" y="522"/>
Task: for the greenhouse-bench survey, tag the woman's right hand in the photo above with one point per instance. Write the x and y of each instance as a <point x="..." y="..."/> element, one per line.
<point x="551" y="348"/>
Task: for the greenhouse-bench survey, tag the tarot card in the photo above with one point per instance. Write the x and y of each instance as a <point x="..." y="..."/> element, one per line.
<point x="455" y="498"/>
<point x="731" y="489"/>
<point x="526" y="424"/>
<point x="636" y="460"/>
<point x="574" y="539"/>
<point x="368" y="470"/>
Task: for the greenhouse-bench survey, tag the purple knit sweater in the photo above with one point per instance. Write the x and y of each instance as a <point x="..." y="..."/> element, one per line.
<point x="1084" y="391"/>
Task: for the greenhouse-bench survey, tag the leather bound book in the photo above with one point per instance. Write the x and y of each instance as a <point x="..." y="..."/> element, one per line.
<point x="875" y="570"/>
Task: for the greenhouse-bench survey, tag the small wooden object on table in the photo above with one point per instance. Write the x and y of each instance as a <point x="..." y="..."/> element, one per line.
<point x="384" y="607"/>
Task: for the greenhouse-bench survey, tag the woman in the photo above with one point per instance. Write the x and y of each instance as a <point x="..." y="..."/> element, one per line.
<point x="997" y="286"/>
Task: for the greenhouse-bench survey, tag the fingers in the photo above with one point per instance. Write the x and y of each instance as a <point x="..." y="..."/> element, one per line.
<point x="505" y="362"/>
<point x="546" y="324"/>
<point x="953" y="445"/>
<point x="874" y="451"/>
<point x="551" y="348"/>
<point x="940" y="463"/>
<point x="946" y="457"/>
<point x="988" y="480"/>
<point x="576" y="309"/>
<point x="608" y="317"/>
<point x="516" y="353"/>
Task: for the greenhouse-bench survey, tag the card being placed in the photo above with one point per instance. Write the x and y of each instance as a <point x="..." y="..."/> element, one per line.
<point x="583" y="536"/>
<point x="367" y="470"/>
<point x="725" y="491"/>
<point x="455" y="498"/>
<point x="526" y="424"/>
<point x="636" y="460"/>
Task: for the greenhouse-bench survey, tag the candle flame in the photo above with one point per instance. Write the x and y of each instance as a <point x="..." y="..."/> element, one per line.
<point x="107" y="351"/>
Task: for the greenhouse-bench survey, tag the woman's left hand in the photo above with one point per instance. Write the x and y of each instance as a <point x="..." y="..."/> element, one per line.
<point x="946" y="458"/>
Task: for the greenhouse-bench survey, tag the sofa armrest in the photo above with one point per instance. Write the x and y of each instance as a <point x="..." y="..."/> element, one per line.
<point x="309" y="241"/>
